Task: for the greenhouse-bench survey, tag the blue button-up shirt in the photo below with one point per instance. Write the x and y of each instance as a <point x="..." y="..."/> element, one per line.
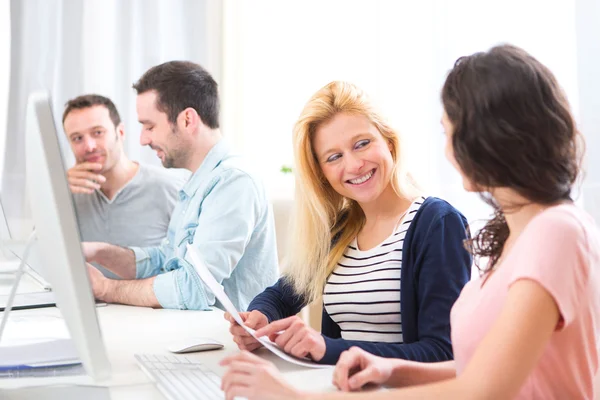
<point x="224" y="212"/>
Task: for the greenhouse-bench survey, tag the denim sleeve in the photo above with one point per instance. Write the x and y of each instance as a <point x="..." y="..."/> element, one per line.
<point x="227" y="218"/>
<point x="149" y="260"/>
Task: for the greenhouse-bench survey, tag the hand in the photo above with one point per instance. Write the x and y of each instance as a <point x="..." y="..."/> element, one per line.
<point x="297" y="338"/>
<point x="83" y="179"/>
<point x="90" y="250"/>
<point x="356" y="367"/>
<point x="98" y="281"/>
<point x="253" y="319"/>
<point x="252" y="377"/>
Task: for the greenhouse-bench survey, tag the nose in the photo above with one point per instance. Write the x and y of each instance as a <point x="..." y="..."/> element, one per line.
<point x="90" y="144"/>
<point x="144" y="138"/>
<point x="354" y="163"/>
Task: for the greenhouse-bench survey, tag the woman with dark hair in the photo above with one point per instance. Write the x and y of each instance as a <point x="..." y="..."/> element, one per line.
<point x="528" y="328"/>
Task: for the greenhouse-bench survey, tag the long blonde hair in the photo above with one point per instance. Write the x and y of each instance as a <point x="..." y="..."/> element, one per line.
<point x="320" y="213"/>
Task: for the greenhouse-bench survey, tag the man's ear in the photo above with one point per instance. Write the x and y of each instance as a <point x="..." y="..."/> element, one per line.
<point x="120" y="130"/>
<point x="189" y="119"/>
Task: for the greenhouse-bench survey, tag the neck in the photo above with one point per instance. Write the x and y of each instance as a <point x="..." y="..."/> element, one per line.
<point x="204" y="142"/>
<point x="118" y="176"/>
<point x="388" y="205"/>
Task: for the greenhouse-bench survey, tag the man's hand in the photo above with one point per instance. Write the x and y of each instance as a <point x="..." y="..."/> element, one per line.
<point x="253" y="319"/>
<point x="83" y="178"/>
<point x="98" y="281"/>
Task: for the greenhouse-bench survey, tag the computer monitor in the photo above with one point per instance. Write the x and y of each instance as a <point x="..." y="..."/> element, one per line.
<point x="58" y="235"/>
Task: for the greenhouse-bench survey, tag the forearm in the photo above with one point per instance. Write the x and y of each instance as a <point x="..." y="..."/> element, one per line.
<point x="448" y="389"/>
<point x="117" y="259"/>
<point x="131" y="292"/>
<point x="411" y="373"/>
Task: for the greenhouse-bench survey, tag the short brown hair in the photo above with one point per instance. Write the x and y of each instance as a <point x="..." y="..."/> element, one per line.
<point x="91" y="100"/>
<point x="179" y="85"/>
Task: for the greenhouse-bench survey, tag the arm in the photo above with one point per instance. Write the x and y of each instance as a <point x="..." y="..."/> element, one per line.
<point x="135" y="292"/>
<point x="278" y="301"/>
<point x="227" y="218"/>
<point x="442" y="267"/>
<point x="117" y="259"/>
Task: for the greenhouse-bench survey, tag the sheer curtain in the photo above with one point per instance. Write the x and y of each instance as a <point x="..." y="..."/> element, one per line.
<point x="101" y="46"/>
<point x="399" y="52"/>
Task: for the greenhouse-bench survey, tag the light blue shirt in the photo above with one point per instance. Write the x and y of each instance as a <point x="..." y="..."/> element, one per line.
<point x="224" y="212"/>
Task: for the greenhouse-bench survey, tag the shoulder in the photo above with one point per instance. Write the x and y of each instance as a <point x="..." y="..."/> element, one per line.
<point x="162" y="176"/>
<point x="235" y="173"/>
<point x="435" y="211"/>
<point x="564" y="224"/>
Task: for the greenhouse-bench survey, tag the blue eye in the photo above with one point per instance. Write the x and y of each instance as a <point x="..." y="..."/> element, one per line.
<point x="333" y="157"/>
<point x="361" y="143"/>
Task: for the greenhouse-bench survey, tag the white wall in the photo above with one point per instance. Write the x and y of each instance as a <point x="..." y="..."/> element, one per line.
<point x="4" y="75"/>
<point x="277" y="54"/>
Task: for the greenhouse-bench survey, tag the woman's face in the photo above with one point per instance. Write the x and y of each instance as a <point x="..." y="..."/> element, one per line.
<point x="354" y="157"/>
<point x="449" y="151"/>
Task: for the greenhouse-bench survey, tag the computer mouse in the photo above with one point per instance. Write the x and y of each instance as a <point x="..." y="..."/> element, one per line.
<point x="194" y="344"/>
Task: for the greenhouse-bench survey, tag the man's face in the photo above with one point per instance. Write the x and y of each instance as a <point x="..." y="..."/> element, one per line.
<point x="158" y="133"/>
<point x="93" y="136"/>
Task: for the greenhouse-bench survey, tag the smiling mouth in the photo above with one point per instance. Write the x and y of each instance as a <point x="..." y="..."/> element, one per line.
<point x="362" y="179"/>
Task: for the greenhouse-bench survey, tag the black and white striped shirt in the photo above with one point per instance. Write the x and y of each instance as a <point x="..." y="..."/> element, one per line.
<point x="362" y="295"/>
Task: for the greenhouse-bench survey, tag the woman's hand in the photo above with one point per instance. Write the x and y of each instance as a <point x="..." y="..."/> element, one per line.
<point x="356" y="368"/>
<point x="295" y="338"/>
<point x="252" y="377"/>
<point x="253" y="319"/>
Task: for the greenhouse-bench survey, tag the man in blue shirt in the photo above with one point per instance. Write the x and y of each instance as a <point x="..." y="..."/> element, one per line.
<point x="222" y="210"/>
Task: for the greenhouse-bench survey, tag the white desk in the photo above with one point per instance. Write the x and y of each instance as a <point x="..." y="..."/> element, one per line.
<point x="130" y="330"/>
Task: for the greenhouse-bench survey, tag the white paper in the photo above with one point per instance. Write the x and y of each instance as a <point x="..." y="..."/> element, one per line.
<point x="220" y="294"/>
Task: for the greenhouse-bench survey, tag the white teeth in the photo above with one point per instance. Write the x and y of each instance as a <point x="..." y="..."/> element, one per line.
<point x="362" y="179"/>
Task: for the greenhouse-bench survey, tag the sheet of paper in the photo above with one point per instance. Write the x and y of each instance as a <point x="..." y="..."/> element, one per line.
<point x="220" y="294"/>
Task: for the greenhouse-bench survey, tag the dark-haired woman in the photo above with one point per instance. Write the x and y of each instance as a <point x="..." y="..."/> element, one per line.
<point x="528" y="328"/>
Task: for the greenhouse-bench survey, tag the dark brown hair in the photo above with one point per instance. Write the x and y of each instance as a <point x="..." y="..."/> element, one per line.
<point x="91" y="100"/>
<point x="512" y="128"/>
<point x="179" y="85"/>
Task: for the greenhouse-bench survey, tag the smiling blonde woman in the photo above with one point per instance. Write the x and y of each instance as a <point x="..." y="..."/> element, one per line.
<point x="387" y="261"/>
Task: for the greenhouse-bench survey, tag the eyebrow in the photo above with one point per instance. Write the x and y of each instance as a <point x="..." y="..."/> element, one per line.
<point x="144" y="121"/>
<point x="351" y="139"/>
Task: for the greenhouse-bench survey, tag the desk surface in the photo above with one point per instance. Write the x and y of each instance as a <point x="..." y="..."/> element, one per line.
<point x="129" y="330"/>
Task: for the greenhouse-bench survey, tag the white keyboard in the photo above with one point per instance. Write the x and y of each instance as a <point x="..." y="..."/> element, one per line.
<point x="181" y="378"/>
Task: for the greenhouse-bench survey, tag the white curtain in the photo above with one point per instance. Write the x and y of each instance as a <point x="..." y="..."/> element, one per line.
<point x="101" y="46"/>
<point x="398" y="51"/>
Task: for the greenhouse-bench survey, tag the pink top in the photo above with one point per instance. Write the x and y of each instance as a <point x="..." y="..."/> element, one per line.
<point x="560" y="250"/>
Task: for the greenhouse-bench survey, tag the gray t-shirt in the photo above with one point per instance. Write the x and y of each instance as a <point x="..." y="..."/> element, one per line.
<point x="138" y="215"/>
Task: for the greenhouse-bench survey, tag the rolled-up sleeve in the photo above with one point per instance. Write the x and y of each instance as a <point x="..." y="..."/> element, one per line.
<point x="227" y="218"/>
<point x="148" y="261"/>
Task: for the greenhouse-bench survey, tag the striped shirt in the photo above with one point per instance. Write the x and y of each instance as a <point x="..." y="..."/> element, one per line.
<point x="362" y="295"/>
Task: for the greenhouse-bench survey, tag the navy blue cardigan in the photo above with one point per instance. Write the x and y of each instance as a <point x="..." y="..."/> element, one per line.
<point x="435" y="267"/>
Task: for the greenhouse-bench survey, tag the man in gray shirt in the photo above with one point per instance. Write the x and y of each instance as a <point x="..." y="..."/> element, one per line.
<point x="117" y="200"/>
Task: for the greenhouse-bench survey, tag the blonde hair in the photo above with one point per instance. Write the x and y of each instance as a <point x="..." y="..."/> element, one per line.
<point x="321" y="214"/>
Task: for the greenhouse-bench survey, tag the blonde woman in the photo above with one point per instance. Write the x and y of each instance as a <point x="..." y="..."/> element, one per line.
<point x="387" y="261"/>
<point x="528" y="327"/>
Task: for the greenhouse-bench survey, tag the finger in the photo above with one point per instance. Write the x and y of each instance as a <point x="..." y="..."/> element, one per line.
<point x="92" y="166"/>
<point x="237" y="391"/>
<point x="340" y="374"/>
<point x="361" y="378"/>
<point x="302" y="348"/>
<point x="277" y="326"/>
<point x="237" y="330"/>
<point x="85" y="183"/>
<point x="295" y="339"/>
<point x="86" y="175"/>
<point x="78" y="189"/>
<point x="253" y="319"/>
<point x="235" y="377"/>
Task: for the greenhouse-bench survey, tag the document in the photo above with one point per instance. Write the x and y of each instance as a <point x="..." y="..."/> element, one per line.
<point x="220" y="294"/>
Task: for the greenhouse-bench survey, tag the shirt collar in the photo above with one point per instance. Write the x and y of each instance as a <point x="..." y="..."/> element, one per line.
<point x="211" y="161"/>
